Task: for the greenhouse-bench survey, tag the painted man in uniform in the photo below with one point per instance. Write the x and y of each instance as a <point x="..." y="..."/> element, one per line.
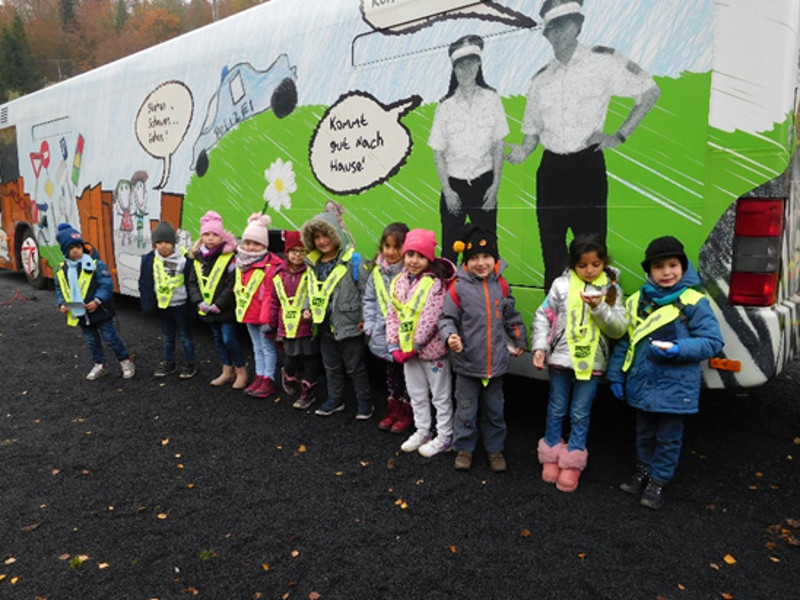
<point x="565" y="112"/>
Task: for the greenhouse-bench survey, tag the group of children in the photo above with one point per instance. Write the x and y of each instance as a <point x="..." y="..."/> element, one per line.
<point x="443" y="333"/>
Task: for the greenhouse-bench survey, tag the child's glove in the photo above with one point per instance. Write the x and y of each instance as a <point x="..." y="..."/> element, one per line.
<point x="204" y="307"/>
<point x="670" y="352"/>
<point x="400" y="357"/>
<point x="618" y="390"/>
<point x="214" y="309"/>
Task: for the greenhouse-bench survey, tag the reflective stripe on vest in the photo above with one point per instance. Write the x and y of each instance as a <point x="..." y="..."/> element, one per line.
<point x="582" y="337"/>
<point x="639" y="329"/>
<point x="381" y="293"/>
<point x="244" y="293"/>
<point x="209" y="284"/>
<point x="84" y="280"/>
<point x="410" y="312"/>
<point x="320" y="291"/>
<point x="165" y="284"/>
<point x="291" y="308"/>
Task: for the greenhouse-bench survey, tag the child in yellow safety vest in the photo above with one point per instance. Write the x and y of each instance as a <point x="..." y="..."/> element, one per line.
<point x="412" y="333"/>
<point x="571" y="332"/>
<point x="336" y="281"/>
<point x="85" y="295"/>
<point x="656" y="367"/>
<point x="300" y="372"/>
<point x="210" y="287"/>
<point x="255" y="268"/>
<point x="162" y="289"/>
<point x="386" y="266"/>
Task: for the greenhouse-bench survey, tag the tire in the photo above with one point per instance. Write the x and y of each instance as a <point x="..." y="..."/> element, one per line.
<point x="29" y="259"/>
<point x="284" y="98"/>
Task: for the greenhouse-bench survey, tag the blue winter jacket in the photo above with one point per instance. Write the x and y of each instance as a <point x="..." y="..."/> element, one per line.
<point x="101" y="288"/>
<point x="669" y="385"/>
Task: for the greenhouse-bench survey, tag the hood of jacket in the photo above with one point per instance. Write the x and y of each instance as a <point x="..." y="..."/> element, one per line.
<point x="325" y="222"/>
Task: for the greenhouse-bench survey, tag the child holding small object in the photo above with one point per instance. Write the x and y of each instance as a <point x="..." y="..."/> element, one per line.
<point x="571" y="332"/>
<point x="412" y="334"/>
<point x="210" y="287"/>
<point x="162" y="288"/>
<point x="656" y="367"/>
<point x="85" y="294"/>
<point x="300" y="373"/>
<point x="482" y="327"/>
<point x="387" y="265"/>
<point x="255" y="268"/>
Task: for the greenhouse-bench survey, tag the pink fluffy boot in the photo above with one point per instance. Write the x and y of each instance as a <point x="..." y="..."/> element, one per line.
<point x="548" y="456"/>
<point x="571" y="463"/>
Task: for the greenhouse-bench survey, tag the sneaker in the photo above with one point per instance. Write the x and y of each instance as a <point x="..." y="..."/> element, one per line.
<point x="497" y="462"/>
<point x="330" y="406"/>
<point x="636" y="483"/>
<point x="653" y="495"/>
<point x="416" y="440"/>
<point x="128" y="369"/>
<point x="164" y="369"/>
<point x="435" y="446"/>
<point x="188" y="371"/>
<point x="98" y="370"/>
<point x="364" y="411"/>
<point x="463" y="460"/>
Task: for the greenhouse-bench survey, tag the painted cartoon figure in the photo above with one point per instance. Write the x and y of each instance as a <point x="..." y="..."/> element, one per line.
<point x="122" y="203"/>
<point x="139" y="195"/>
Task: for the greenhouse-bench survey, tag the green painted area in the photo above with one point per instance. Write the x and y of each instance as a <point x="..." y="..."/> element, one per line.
<point x="675" y="175"/>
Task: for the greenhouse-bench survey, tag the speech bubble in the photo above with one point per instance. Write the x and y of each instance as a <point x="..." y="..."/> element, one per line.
<point x="406" y="16"/>
<point x="360" y="142"/>
<point x="163" y="120"/>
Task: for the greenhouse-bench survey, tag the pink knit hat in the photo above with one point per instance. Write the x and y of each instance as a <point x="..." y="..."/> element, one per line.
<point x="211" y="222"/>
<point x="422" y="241"/>
<point x="257" y="229"/>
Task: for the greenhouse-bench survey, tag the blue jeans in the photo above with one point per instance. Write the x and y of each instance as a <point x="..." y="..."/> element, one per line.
<point x="263" y="351"/>
<point x="659" y="437"/>
<point x="564" y="385"/>
<point x="228" y="348"/>
<point x="106" y="329"/>
<point x="175" y="321"/>
<point x="473" y="398"/>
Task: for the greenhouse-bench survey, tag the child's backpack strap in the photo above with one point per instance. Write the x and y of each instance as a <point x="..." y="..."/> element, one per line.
<point x="503" y="285"/>
<point x="355" y="260"/>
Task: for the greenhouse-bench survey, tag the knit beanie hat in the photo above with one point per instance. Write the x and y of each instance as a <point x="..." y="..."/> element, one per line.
<point x="474" y="239"/>
<point x="68" y="236"/>
<point x="664" y="247"/>
<point x="211" y="222"/>
<point x="257" y="229"/>
<point x="422" y="241"/>
<point x="292" y="239"/>
<point x="164" y="232"/>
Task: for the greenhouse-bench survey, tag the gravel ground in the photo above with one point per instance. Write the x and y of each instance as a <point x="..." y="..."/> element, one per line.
<point x="145" y="488"/>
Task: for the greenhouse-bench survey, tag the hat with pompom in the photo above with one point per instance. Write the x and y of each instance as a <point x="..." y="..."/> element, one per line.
<point x="257" y="229"/>
<point x="68" y="236"/>
<point x="473" y="240"/>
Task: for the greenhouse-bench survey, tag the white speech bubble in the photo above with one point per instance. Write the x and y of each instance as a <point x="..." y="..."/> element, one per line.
<point x="360" y="142"/>
<point x="406" y="16"/>
<point x="163" y="120"/>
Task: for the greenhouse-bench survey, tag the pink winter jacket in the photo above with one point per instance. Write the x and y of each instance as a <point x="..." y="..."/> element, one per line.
<point x="258" y="310"/>
<point x="426" y="335"/>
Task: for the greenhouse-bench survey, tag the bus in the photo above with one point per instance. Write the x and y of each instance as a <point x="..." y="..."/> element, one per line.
<point x="290" y="107"/>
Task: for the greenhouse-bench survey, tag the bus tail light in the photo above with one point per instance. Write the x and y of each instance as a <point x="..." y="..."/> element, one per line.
<point x="756" y="251"/>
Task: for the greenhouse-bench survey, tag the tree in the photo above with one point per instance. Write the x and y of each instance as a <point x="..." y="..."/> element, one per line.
<point x="17" y="68"/>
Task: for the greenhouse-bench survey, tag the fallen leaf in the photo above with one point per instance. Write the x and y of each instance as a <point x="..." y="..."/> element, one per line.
<point x="14" y="580"/>
<point x="525" y="533"/>
<point x="285" y="596"/>
<point x="398" y="502"/>
<point x="714" y="566"/>
<point x="30" y="528"/>
<point x="771" y="545"/>
<point x="111" y="508"/>
<point x="729" y="559"/>
<point x="454" y="549"/>
<point x="85" y="472"/>
<point x="103" y="565"/>
<point x="797" y="441"/>
<point x="759" y="474"/>
<point x="64" y="557"/>
<point x="10" y="560"/>
<point x="295" y="553"/>
<point x="775" y="559"/>
<point x="162" y="516"/>
<point x="165" y="441"/>
<point x="365" y="463"/>
<point x="391" y="464"/>
<point x="727" y="596"/>
<point x="793" y="523"/>
<point x="190" y="485"/>
<point x="3" y="576"/>
<point x="177" y="455"/>
<point x="752" y="487"/>
<point x="681" y="587"/>
<point x="180" y="466"/>
<point x="420" y="481"/>
<point x="191" y="590"/>
<point x="265" y="566"/>
<point x="339" y="473"/>
<point x="55" y="471"/>
<point x="314" y="596"/>
<point x="581" y="555"/>
<point x="301" y="448"/>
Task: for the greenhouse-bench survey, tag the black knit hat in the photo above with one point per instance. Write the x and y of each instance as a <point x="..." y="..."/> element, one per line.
<point x="474" y="239"/>
<point x="664" y="247"/>
<point x="164" y="232"/>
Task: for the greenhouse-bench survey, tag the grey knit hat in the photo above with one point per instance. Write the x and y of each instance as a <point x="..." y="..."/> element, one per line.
<point x="164" y="232"/>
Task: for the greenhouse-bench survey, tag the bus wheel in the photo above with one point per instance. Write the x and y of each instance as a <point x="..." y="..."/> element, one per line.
<point x="29" y="258"/>
<point x="284" y="98"/>
<point x="201" y="167"/>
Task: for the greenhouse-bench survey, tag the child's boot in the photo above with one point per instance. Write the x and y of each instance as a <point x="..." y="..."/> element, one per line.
<point x="253" y="387"/>
<point x="224" y="378"/>
<point x="405" y="417"/>
<point x="571" y="463"/>
<point x="290" y="384"/>
<point x="548" y="456"/>
<point x="267" y="388"/>
<point x="653" y="495"/>
<point x="391" y="414"/>
<point x="638" y="480"/>
<point x="240" y="378"/>
<point x="307" y="395"/>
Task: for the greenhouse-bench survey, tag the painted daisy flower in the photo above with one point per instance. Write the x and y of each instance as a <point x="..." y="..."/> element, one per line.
<point x="280" y="184"/>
